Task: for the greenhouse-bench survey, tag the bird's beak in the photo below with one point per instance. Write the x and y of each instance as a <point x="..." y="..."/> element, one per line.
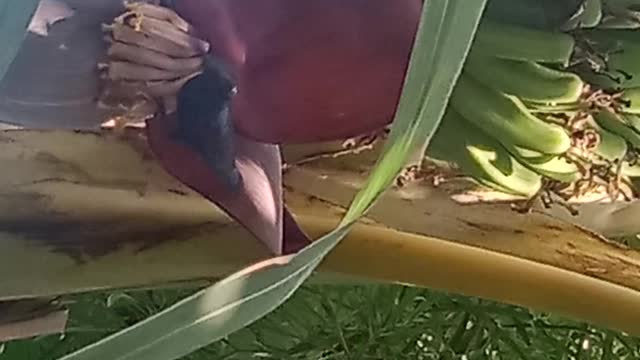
<point x="258" y="205"/>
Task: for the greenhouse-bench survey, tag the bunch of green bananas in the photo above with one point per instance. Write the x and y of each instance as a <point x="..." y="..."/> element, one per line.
<point x="616" y="42"/>
<point x="518" y="116"/>
<point x="552" y="97"/>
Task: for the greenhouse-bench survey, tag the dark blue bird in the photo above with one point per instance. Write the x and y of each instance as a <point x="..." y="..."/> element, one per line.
<point x="204" y="121"/>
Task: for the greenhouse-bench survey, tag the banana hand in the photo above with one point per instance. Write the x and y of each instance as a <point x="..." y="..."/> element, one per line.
<point x="520" y="43"/>
<point x="506" y="118"/>
<point x="481" y="157"/>
<point x="527" y="80"/>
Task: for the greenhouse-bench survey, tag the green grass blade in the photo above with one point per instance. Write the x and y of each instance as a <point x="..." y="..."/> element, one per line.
<point x="433" y="71"/>
<point x="14" y="20"/>
<point x="445" y="34"/>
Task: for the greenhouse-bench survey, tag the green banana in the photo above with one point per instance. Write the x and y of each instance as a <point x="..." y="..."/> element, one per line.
<point x="609" y="37"/>
<point x="630" y="170"/>
<point x="506" y="118"/>
<point x="622" y="50"/>
<point x="588" y="15"/>
<point x="558" y="168"/>
<point x="551" y="166"/>
<point x="616" y="23"/>
<point x="592" y="14"/>
<point x="538" y="14"/>
<point x="531" y="156"/>
<point x="613" y="123"/>
<point x="527" y="80"/>
<point x="631" y="99"/>
<point x="481" y="157"/>
<point x="521" y="43"/>
<point x="625" y="65"/>
<point x="632" y="121"/>
<point x="621" y="4"/>
<point x="625" y="10"/>
<point x="611" y="147"/>
<point x="603" y="80"/>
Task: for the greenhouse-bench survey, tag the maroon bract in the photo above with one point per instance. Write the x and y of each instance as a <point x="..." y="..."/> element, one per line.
<point x="306" y="71"/>
<point x="311" y="70"/>
<point x="258" y="206"/>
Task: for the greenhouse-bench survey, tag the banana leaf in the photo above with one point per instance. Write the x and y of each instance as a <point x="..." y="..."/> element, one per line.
<point x="55" y="241"/>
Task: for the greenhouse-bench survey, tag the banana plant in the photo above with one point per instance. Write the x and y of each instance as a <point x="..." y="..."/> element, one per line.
<point x="151" y="214"/>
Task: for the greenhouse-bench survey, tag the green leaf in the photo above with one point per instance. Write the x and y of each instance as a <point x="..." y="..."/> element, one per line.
<point x="444" y="36"/>
<point x="437" y="60"/>
<point x="14" y="20"/>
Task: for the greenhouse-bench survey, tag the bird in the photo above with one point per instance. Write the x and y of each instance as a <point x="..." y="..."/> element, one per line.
<point x="204" y="121"/>
<point x="288" y="71"/>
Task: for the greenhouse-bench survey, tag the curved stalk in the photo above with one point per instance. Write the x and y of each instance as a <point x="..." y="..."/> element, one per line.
<point x="92" y="211"/>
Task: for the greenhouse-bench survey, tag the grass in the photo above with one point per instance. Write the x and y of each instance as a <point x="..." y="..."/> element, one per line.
<point x="354" y="322"/>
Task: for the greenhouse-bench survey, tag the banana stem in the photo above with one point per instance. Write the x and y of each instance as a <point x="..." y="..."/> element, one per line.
<point x="370" y="252"/>
<point x="472" y="271"/>
<point x="87" y="211"/>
